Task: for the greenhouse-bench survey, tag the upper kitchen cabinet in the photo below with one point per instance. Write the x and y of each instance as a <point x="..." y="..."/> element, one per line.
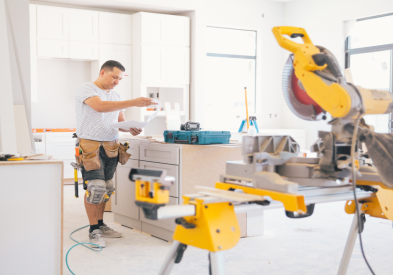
<point x="52" y="22"/>
<point x="114" y="28"/>
<point x="83" y="25"/>
<point x="160" y="29"/>
<point x="177" y="29"/>
<point x="33" y="20"/>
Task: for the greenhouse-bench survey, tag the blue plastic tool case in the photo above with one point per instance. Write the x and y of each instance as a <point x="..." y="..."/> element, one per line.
<point x="197" y="137"/>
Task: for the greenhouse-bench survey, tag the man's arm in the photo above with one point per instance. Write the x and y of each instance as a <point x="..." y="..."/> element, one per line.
<point x="132" y="131"/>
<point x="98" y="105"/>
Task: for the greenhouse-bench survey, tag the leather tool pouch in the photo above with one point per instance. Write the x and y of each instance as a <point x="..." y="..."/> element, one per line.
<point x="90" y="154"/>
<point x="111" y="148"/>
<point x="123" y="155"/>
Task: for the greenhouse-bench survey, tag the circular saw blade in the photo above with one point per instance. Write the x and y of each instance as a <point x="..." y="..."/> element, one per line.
<point x="300" y="103"/>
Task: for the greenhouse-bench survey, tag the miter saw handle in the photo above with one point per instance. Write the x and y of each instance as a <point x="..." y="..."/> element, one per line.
<point x="293" y="32"/>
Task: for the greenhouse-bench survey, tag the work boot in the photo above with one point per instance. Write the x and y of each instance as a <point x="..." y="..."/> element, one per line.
<point x="108" y="232"/>
<point x="96" y="238"/>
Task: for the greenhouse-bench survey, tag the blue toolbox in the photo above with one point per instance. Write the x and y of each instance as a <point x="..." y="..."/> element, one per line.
<point x="197" y="137"/>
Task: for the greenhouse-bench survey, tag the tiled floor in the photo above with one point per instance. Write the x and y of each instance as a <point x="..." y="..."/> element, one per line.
<point x="305" y="246"/>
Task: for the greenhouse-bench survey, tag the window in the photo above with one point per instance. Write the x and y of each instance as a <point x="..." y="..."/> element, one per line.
<point x="369" y="54"/>
<point x="230" y="66"/>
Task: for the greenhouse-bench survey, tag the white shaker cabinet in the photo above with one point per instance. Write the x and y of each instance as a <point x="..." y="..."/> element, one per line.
<point x="121" y="53"/>
<point x="153" y="63"/>
<point x="177" y="30"/>
<point x="83" y="25"/>
<point x="83" y="50"/>
<point x="151" y="28"/>
<point x="52" y="22"/>
<point x="52" y="48"/>
<point x="114" y="28"/>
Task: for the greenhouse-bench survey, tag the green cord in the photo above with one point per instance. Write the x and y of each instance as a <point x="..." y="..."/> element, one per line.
<point x="79" y="243"/>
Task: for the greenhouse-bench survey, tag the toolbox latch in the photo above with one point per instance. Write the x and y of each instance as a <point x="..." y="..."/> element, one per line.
<point x="170" y="135"/>
<point x="194" y="139"/>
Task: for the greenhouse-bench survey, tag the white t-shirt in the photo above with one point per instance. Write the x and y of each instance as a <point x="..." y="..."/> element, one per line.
<point x="91" y="124"/>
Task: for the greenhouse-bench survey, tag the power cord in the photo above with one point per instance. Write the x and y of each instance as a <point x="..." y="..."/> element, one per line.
<point x="353" y="145"/>
<point x="98" y="249"/>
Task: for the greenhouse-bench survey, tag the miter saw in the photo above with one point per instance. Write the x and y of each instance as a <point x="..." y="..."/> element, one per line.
<point x="271" y="169"/>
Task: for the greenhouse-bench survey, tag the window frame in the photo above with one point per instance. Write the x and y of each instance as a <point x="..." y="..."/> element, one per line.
<point x="371" y="49"/>
<point x="241" y="57"/>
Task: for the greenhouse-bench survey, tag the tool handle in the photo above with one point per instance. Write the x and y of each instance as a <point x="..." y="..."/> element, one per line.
<point x="293" y="32"/>
<point x="76" y="183"/>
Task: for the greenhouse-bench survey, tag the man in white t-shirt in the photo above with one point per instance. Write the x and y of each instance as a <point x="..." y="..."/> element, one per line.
<point x="97" y="105"/>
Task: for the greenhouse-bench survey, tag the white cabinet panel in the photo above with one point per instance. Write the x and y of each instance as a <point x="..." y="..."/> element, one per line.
<point x="121" y="53"/>
<point x="84" y="50"/>
<point x="83" y="25"/>
<point x="153" y="64"/>
<point x="33" y="69"/>
<point x="177" y="30"/>
<point x="124" y="197"/>
<point x="68" y="170"/>
<point x="171" y="170"/>
<point x="52" y="48"/>
<point x="115" y="28"/>
<point x="152" y="28"/>
<point x="63" y="150"/>
<point x="33" y="20"/>
<point x="178" y="65"/>
<point x="52" y="22"/>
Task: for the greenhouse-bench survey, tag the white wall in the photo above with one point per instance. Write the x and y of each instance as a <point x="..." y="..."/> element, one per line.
<point x="247" y="14"/>
<point x="324" y="22"/>
<point x="57" y="83"/>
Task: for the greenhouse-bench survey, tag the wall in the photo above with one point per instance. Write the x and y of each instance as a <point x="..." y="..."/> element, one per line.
<point x="57" y="83"/>
<point x="326" y="31"/>
<point x="260" y="16"/>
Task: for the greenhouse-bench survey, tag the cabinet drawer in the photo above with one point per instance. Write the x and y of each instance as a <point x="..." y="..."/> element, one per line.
<point x="84" y="50"/>
<point x="168" y="224"/>
<point x="133" y="150"/>
<point x="124" y="197"/>
<point x="172" y="170"/>
<point x="52" y="48"/>
<point x="162" y="154"/>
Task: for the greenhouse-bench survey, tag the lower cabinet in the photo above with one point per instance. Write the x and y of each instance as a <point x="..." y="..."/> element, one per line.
<point x="123" y="204"/>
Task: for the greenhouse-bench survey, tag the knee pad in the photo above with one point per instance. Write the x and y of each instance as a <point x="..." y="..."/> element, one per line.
<point x="110" y="188"/>
<point x="96" y="189"/>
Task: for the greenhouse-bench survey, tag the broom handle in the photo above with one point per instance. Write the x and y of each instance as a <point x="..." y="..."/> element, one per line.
<point x="248" y="120"/>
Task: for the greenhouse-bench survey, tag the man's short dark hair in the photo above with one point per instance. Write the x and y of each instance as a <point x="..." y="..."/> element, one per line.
<point x="110" y="64"/>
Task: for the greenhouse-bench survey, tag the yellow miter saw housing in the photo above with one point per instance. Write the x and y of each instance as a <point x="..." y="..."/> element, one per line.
<point x="319" y="74"/>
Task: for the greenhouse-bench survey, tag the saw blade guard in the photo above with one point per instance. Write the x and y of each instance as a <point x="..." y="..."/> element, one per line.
<point x="297" y="99"/>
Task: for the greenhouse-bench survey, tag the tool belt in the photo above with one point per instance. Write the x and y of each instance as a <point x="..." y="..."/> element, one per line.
<point x="90" y="157"/>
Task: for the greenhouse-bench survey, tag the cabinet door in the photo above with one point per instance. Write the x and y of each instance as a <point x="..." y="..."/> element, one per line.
<point x="124" y="197"/>
<point x="152" y="28"/>
<point x="153" y="64"/>
<point x="168" y="224"/>
<point x="52" y="48"/>
<point x="83" y="50"/>
<point x="33" y="69"/>
<point x="33" y="20"/>
<point x="121" y="53"/>
<point x="177" y="65"/>
<point x="115" y="28"/>
<point x="52" y="22"/>
<point x="171" y="170"/>
<point x="177" y="30"/>
<point x="61" y="150"/>
<point x="83" y="25"/>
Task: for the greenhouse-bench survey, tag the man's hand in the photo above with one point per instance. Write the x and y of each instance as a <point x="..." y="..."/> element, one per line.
<point x="135" y="131"/>
<point x="143" y="102"/>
